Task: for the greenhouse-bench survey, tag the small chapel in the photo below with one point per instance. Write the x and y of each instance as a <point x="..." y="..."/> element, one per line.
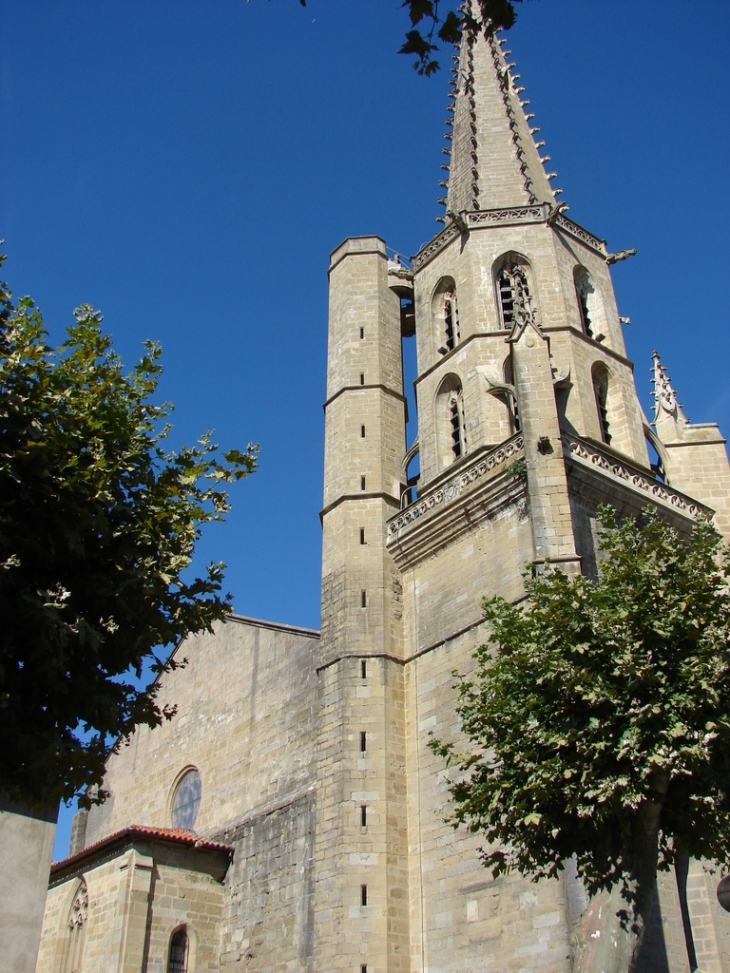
<point x="291" y="817"/>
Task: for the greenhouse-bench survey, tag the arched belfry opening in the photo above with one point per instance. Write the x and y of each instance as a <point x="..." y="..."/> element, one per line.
<point x="445" y="314"/>
<point x="513" y="287"/>
<point x="450" y="420"/>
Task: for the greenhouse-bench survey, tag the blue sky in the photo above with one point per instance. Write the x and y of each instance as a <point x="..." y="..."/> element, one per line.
<point x="188" y="166"/>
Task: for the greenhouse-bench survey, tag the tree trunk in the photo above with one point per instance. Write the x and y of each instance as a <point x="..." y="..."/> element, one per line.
<point x="601" y="941"/>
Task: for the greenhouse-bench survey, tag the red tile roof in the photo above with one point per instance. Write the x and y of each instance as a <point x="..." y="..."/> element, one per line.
<point x="179" y="836"/>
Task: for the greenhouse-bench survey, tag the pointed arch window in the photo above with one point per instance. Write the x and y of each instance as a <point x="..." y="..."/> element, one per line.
<point x="450" y="404"/>
<point x="446" y="315"/>
<point x="179" y="951"/>
<point x="78" y="916"/>
<point x="600" y="390"/>
<point x="186" y="799"/>
<point x="513" y="289"/>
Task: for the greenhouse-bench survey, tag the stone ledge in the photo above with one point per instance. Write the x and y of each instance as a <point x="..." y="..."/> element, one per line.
<point x="586" y="454"/>
<point x="478" y="491"/>
<point x="454" y="486"/>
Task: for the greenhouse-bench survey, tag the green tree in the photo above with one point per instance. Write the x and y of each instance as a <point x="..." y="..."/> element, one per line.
<point x="597" y="723"/>
<point x="97" y="529"/>
<point x="445" y="21"/>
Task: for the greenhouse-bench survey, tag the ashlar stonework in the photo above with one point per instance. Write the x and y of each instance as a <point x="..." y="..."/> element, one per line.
<point x="291" y="816"/>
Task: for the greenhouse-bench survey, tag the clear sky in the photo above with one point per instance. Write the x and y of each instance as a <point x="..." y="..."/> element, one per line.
<point x="188" y="165"/>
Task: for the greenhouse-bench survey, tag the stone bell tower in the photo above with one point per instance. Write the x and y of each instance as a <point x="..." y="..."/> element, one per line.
<point x="528" y="419"/>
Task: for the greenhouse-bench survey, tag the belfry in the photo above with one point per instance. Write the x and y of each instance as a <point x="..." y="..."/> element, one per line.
<point x="292" y="816"/>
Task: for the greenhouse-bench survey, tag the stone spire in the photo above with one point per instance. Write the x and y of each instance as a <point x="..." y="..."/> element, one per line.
<point x="495" y="162"/>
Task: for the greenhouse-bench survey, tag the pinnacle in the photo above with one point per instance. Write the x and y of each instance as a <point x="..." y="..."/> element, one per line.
<point x="665" y="396"/>
<point x="494" y="160"/>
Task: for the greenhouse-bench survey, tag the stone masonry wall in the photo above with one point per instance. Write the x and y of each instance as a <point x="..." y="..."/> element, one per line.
<point x="246" y="714"/>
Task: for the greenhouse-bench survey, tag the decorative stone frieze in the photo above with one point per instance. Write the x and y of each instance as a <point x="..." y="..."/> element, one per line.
<point x="587" y="454"/>
<point x="454" y="487"/>
<point x="508" y="217"/>
<point x="435" y="247"/>
<point x="580" y="234"/>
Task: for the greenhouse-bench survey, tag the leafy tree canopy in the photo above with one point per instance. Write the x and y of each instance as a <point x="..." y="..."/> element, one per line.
<point x="97" y="528"/>
<point x="598" y="717"/>
<point x="445" y="21"/>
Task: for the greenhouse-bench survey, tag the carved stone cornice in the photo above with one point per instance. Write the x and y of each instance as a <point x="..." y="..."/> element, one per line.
<point x="508" y="217"/>
<point x="441" y="512"/>
<point x="439" y="242"/>
<point x="581" y="234"/>
<point x="588" y="455"/>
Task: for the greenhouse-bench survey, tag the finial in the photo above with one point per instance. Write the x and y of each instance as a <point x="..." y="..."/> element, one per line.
<point x="665" y="398"/>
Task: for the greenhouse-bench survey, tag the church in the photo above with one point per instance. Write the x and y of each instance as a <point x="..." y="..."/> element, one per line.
<point x="291" y="817"/>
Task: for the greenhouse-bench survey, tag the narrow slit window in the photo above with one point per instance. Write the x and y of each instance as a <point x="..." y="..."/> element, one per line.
<point x="362" y="432"/>
<point x="364" y="816"/>
<point x="507" y="300"/>
<point x="362" y="333"/>
<point x="363" y="895"/>
<point x="179" y="946"/>
<point x="362" y="378"/>
<point x="585" y="313"/>
<point x="364" y="666"/>
<point x="362" y="535"/>
<point x="451" y="321"/>
<point x="363" y="741"/>
<point x="455" y="419"/>
<point x="362" y="482"/>
<point x="363" y="599"/>
<point x="452" y="426"/>
<point x="600" y="390"/>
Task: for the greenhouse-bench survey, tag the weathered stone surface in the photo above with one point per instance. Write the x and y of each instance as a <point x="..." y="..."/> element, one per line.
<point x="313" y="752"/>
